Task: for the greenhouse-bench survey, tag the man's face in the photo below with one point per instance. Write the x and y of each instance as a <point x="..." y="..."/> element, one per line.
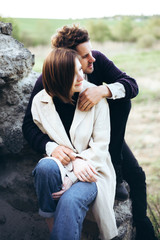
<point x="87" y="60"/>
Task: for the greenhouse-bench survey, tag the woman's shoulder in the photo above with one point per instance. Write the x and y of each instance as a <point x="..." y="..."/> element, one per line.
<point x="42" y="96"/>
<point x="87" y="84"/>
<point x="103" y="102"/>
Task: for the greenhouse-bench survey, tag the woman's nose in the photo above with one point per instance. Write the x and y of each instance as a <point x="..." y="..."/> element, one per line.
<point x="80" y="78"/>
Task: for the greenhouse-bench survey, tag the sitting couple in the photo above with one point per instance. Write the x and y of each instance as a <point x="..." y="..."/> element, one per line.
<point x="68" y="119"/>
<point x="86" y="173"/>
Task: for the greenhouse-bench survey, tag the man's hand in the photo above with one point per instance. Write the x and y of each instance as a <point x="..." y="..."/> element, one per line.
<point x="67" y="184"/>
<point x="91" y="96"/>
<point x="84" y="171"/>
<point x="63" y="154"/>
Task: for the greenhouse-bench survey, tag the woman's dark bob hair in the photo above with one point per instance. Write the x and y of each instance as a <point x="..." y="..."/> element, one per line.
<point x="58" y="73"/>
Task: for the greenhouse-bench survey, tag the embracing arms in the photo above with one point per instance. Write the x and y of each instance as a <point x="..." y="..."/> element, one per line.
<point x="112" y="83"/>
<point x="105" y="71"/>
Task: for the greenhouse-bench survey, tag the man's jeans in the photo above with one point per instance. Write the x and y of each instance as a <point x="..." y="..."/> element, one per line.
<point x="70" y="210"/>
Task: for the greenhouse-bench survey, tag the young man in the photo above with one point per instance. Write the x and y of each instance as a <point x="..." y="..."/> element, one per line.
<point x="118" y="88"/>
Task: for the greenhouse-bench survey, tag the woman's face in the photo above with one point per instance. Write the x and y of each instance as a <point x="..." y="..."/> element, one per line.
<point x="78" y="78"/>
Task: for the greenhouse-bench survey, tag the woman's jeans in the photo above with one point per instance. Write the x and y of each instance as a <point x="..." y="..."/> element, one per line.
<point x="70" y="210"/>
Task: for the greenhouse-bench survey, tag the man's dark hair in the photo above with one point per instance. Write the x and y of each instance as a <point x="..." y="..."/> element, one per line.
<point x="70" y="37"/>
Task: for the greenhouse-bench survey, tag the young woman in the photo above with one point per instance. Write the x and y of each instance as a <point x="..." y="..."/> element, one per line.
<point x="66" y="186"/>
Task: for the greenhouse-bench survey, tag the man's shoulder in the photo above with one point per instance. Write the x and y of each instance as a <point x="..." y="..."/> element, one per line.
<point x="97" y="53"/>
<point x="39" y="81"/>
<point x="99" y="56"/>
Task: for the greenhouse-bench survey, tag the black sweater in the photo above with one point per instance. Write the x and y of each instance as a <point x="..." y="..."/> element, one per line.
<point x="66" y="111"/>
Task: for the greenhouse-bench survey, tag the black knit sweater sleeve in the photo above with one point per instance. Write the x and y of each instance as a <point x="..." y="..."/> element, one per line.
<point x="106" y="71"/>
<point x="36" y="139"/>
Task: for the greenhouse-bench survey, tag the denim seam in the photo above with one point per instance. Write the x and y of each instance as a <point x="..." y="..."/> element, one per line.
<point x="92" y="194"/>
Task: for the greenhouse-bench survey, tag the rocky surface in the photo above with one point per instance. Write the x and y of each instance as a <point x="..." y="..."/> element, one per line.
<point x="19" y="219"/>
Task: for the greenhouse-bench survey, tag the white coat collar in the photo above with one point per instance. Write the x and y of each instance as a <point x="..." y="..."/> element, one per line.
<point x="54" y="120"/>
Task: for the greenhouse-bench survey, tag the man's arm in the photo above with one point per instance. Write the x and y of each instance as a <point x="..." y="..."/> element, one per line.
<point x="34" y="136"/>
<point x="108" y="73"/>
<point x="112" y="83"/>
<point x="91" y="96"/>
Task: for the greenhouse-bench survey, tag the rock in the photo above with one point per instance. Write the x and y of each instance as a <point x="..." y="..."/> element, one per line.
<point x="123" y="213"/>
<point x="18" y="225"/>
<point x="14" y="100"/>
<point x="2" y="219"/>
<point x="14" y="57"/>
<point x="6" y="28"/>
<point x="19" y="217"/>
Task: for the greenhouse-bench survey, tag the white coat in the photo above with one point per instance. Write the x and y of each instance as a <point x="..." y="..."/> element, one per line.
<point x="90" y="136"/>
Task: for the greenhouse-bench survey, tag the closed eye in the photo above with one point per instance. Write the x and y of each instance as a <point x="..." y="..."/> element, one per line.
<point x="85" y="56"/>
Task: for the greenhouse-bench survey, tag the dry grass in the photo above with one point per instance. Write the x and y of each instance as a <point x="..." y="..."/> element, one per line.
<point x="143" y="136"/>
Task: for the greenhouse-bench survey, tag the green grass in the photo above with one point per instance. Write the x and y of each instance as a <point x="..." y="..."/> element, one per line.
<point x="154" y="212"/>
<point x="138" y="63"/>
<point x="141" y="64"/>
<point x="35" y="31"/>
<point x="146" y="95"/>
<point x="38" y="64"/>
<point x="32" y="31"/>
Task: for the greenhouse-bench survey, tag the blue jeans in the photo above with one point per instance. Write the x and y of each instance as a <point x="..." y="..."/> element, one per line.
<point x="70" y="210"/>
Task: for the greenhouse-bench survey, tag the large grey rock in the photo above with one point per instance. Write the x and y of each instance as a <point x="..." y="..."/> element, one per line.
<point x="19" y="219"/>
<point x="14" y="99"/>
<point x="16" y="61"/>
<point x="123" y="213"/>
<point x="18" y="197"/>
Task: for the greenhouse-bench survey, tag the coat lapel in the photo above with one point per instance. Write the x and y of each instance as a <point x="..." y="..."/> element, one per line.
<point x="56" y="123"/>
<point x="77" y="120"/>
<point x="53" y="119"/>
<point x="78" y="115"/>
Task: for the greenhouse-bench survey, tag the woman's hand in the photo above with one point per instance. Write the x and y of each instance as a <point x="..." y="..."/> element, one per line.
<point x="84" y="171"/>
<point x="67" y="184"/>
<point x="63" y="154"/>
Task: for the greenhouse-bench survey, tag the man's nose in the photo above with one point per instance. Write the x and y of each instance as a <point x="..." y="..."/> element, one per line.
<point x="91" y="59"/>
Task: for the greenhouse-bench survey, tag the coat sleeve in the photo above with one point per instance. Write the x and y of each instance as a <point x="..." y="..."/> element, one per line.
<point x="34" y="136"/>
<point x="37" y="115"/>
<point x="97" y="151"/>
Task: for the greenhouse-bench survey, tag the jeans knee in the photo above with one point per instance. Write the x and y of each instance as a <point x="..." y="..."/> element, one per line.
<point x="69" y="201"/>
<point x="79" y="197"/>
<point x="46" y="167"/>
